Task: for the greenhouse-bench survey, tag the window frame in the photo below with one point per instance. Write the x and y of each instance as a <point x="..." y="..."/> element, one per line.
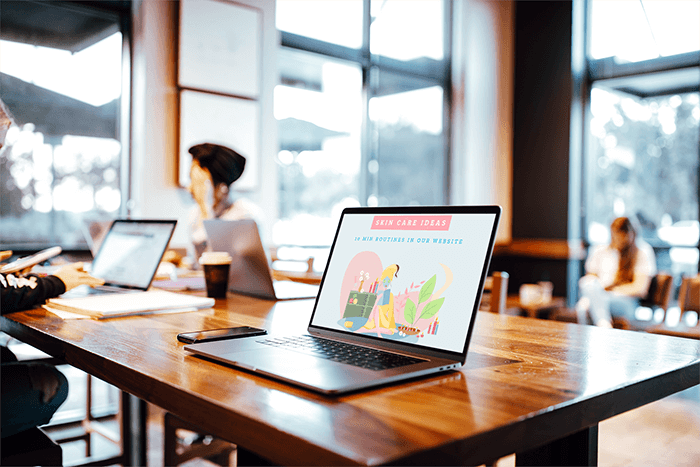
<point x="440" y="74"/>
<point x="121" y="9"/>
<point x="618" y="76"/>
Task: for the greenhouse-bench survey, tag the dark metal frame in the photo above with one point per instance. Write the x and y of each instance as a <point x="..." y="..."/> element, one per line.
<point x="608" y="69"/>
<point x="438" y="72"/>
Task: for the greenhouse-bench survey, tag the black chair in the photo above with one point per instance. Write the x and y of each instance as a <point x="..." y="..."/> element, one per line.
<point x="65" y="432"/>
<point x="30" y="447"/>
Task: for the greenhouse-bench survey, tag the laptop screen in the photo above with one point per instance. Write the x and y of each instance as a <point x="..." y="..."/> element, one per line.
<point x="411" y="276"/>
<point x="131" y="252"/>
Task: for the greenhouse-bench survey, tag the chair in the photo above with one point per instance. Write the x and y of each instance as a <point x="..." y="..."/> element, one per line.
<point x="178" y="449"/>
<point x="64" y="432"/>
<point x="495" y="293"/>
<point x="658" y="298"/>
<point x="689" y="295"/>
<point x="31" y="447"/>
<point x="659" y="294"/>
<point x="688" y="300"/>
<point x="184" y="441"/>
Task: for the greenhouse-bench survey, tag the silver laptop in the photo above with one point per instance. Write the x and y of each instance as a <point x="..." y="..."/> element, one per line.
<point x="94" y="233"/>
<point x="401" y="288"/>
<point x="250" y="272"/>
<point x="128" y="256"/>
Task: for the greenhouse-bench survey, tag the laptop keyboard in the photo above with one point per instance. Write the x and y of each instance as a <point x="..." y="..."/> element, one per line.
<point x="342" y="352"/>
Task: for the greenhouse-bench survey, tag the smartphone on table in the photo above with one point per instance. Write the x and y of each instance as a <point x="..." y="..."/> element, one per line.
<point x="196" y="337"/>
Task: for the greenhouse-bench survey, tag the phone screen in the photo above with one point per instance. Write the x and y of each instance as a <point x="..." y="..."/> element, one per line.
<point x="219" y="334"/>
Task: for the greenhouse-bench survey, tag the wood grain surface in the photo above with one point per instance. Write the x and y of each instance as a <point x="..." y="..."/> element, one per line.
<point x="527" y="383"/>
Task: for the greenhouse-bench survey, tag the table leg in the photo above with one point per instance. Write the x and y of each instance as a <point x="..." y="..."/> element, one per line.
<point x="134" y="430"/>
<point x="577" y="449"/>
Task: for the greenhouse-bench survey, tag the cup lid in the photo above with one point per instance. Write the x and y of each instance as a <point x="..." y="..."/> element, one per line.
<point x="215" y="257"/>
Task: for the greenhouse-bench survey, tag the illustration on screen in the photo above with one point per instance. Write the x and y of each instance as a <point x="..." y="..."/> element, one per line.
<point x="370" y="302"/>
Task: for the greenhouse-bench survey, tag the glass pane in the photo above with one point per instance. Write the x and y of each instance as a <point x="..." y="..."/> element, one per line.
<point x="643" y="163"/>
<point x="641" y="30"/>
<point x="337" y="21"/>
<point x="408" y="159"/>
<point x="394" y="33"/>
<point x="60" y="164"/>
<point x="319" y="113"/>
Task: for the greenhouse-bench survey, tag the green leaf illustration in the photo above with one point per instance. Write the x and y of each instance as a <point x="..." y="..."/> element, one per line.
<point x="427" y="290"/>
<point x="432" y="308"/>
<point x="409" y="311"/>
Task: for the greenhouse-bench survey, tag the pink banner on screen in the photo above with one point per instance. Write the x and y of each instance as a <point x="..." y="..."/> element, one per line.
<point x="411" y="223"/>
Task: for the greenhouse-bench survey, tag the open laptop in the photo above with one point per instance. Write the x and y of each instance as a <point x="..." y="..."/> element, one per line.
<point x="128" y="256"/>
<point x="250" y="272"/>
<point x="404" y="281"/>
<point x="94" y="233"/>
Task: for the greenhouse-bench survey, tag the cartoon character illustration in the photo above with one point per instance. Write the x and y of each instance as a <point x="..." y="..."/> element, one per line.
<point x="385" y="305"/>
<point x="373" y="302"/>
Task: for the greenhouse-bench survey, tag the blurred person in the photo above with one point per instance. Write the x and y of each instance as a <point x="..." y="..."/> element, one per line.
<point x="32" y="392"/>
<point x="214" y="169"/>
<point x="618" y="275"/>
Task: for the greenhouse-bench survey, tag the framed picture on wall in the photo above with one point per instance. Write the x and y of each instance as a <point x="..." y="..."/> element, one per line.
<point x="220" y="47"/>
<point x="229" y="121"/>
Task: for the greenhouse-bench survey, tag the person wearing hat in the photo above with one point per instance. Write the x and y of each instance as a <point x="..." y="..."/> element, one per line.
<point x="214" y="169"/>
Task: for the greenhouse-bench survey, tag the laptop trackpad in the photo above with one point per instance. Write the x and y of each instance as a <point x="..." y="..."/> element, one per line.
<point x="291" y="366"/>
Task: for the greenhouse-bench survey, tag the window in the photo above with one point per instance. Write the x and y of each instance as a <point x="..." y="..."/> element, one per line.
<point x="361" y="109"/>
<point x="643" y="143"/>
<point x="319" y="114"/>
<point x="63" y="161"/>
<point x="639" y="30"/>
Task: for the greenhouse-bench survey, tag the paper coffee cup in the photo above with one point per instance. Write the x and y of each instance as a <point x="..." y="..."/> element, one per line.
<point x="216" y="265"/>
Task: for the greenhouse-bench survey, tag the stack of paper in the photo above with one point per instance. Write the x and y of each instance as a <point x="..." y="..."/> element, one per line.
<point x="124" y="304"/>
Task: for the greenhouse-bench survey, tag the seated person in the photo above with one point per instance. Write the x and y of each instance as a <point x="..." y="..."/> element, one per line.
<point x="32" y="392"/>
<point x="214" y="169"/>
<point x="617" y="276"/>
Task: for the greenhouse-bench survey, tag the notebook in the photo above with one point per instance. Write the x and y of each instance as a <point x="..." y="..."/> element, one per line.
<point x="250" y="272"/>
<point x="128" y="256"/>
<point x="402" y="281"/>
<point x="118" y="305"/>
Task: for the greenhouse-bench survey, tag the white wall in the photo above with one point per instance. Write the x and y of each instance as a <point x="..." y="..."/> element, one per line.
<point x="155" y="110"/>
<point x="482" y="135"/>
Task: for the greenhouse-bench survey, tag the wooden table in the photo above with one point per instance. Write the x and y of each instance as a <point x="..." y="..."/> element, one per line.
<point x="534" y="387"/>
<point x="680" y="330"/>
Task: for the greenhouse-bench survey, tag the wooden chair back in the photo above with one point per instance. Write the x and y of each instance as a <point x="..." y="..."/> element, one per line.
<point x="689" y="294"/>
<point x="688" y="300"/>
<point x="495" y="292"/>
<point x="660" y="291"/>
